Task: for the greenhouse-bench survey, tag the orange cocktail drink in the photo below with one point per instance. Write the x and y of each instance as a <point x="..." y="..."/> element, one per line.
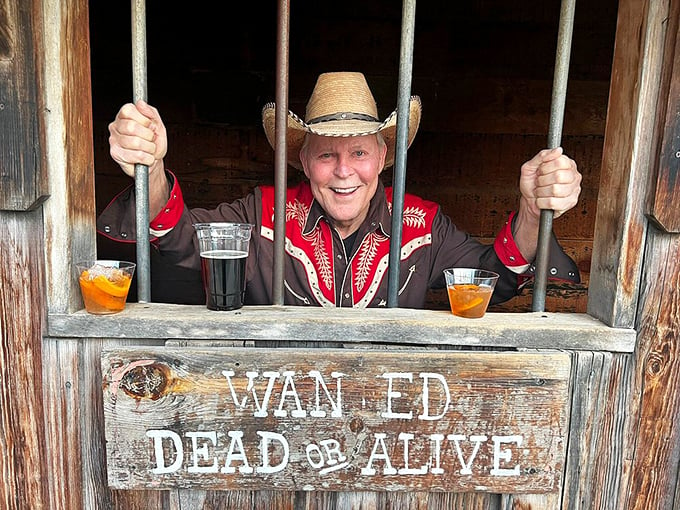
<point x="105" y="284"/>
<point x="469" y="291"/>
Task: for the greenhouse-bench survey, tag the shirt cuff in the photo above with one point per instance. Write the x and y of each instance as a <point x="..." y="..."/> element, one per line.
<point x="507" y="250"/>
<point x="169" y="216"/>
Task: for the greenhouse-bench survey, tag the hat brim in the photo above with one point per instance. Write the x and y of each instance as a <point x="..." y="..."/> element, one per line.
<point x="298" y="128"/>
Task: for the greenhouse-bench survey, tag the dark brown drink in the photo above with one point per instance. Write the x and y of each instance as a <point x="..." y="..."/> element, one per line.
<point x="224" y="278"/>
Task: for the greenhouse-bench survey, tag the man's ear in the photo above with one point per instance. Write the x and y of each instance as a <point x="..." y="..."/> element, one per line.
<point x="382" y="158"/>
<point x="303" y="159"/>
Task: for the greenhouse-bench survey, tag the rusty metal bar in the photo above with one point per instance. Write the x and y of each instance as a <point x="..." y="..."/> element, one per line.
<point x="559" y="95"/>
<point x="281" y="150"/>
<point x="139" y="91"/>
<point x="399" y="179"/>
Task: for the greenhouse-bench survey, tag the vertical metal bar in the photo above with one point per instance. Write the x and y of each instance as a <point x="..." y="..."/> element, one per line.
<point x="281" y="150"/>
<point x="141" y="171"/>
<point x="403" y="100"/>
<point x="559" y="95"/>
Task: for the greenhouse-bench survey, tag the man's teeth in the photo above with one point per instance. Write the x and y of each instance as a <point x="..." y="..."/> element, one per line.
<point x="345" y="190"/>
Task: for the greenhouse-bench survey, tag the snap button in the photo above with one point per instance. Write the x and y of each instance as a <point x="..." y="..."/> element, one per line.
<point x="346" y="295"/>
<point x="339" y="256"/>
<point x="572" y="274"/>
<point x="512" y="259"/>
<point x="159" y="226"/>
<point x="505" y="240"/>
<point x="167" y="211"/>
<point x="553" y="270"/>
<point x="123" y="235"/>
<point x="107" y="229"/>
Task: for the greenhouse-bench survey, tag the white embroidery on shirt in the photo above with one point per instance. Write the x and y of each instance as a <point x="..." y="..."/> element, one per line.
<point x="414" y="217"/>
<point x="367" y="253"/>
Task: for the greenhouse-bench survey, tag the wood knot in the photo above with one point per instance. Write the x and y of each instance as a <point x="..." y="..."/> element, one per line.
<point x="146" y="381"/>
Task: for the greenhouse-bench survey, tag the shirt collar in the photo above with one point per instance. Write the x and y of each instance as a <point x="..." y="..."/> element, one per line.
<point x="379" y="214"/>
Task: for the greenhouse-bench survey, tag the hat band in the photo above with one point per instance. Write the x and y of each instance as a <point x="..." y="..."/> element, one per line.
<point x="343" y="116"/>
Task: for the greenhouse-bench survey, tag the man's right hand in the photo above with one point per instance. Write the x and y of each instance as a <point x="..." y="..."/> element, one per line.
<point x="137" y="135"/>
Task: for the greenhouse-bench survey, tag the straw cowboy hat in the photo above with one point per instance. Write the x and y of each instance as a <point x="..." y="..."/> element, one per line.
<point x="341" y="104"/>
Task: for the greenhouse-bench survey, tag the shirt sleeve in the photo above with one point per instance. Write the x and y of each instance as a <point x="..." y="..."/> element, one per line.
<point x="507" y="250"/>
<point x="170" y="214"/>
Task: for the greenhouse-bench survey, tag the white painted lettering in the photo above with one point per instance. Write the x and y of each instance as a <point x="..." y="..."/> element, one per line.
<point x="236" y="442"/>
<point x="406" y="470"/>
<point x="261" y="408"/>
<point x="505" y="455"/>
<point x="316" y="464"/>
<point x="379" y="442"/>
<point x="333" y="452"/>
<point x="202" y="452"/>
<point x="158" y="436"/>
<point x="391" y="394"/>
<point x="335" y="405"/>
<point x="436" y="453"/>
<point x="426" y="376"/>
<point x="298" y="412"/>
<point x="267" y="438"/>
<point x="456" y="438"/>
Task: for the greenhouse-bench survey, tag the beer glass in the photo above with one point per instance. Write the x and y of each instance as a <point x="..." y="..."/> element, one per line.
<point x="224" y="251"/>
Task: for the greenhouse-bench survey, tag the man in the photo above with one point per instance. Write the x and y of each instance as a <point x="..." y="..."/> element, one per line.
<point x="338" y="223"/>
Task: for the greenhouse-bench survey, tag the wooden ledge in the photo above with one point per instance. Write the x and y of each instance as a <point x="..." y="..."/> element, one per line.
<point x="398" y="326"/>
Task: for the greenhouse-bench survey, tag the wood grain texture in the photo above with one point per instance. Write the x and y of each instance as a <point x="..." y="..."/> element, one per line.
<point x="367" y="419"/>
<point x="23" y="463"/>
<point x="655" y="438"/>
<point x="664" y="207"/>
<point x="22" y="176"/>
<point x="627" y="153"/>
<point x="380" y="326"/>
<point x="70" y="213"/>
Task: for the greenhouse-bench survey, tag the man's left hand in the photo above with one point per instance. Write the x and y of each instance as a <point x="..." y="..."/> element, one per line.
<point x="550" y="180"/>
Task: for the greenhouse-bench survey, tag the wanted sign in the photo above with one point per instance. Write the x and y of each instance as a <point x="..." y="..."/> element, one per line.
<point x="335" y="419"/>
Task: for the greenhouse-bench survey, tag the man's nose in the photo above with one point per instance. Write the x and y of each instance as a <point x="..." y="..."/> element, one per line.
<point x="343" y="167"/>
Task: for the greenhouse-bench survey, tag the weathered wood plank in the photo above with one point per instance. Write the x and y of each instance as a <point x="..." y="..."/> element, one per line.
<point x="314" y="324"/>
<point x="330" y="419"/>
<point x="620" y="224"/>
<point x="61" y="392"/>
<point x="664" y="207"/>
<point x="655" y="450"/>
<point x="595" y="456"/>
<point x="70" y="212"/>
<point x="22" y="176"/>
<point x="23" y="463"/>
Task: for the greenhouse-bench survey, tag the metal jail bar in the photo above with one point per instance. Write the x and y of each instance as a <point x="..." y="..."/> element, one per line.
<point x="559" y="94"/>
<point x="139" y="91"/>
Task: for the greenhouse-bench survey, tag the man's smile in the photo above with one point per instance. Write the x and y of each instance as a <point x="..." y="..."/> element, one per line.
<point x="345" y="191"/>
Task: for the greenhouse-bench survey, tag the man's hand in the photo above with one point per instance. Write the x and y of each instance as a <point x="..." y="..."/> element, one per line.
<point x="550" y="180"/>
<point x="137" y="135"/>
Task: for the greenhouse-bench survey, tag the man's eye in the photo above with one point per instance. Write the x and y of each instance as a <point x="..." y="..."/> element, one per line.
<point x="325" y="155"/>
<point x="360" y="153"/>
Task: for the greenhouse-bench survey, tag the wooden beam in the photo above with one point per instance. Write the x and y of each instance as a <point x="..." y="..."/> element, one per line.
<point x="540" y="330"/>
<point x="627" y="154"/>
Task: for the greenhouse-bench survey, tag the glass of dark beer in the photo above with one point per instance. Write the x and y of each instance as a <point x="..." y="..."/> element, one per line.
<point x="224" y="251"/>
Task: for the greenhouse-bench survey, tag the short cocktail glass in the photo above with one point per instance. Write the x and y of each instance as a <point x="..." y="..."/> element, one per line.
<point x="105" y="284"/>
<point x="469" y="291"/>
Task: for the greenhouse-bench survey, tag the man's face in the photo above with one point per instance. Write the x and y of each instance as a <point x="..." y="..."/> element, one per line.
<point x="343" y="174"/>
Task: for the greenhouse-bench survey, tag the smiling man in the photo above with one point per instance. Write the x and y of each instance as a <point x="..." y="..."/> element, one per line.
<point x="338" y="222"/>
